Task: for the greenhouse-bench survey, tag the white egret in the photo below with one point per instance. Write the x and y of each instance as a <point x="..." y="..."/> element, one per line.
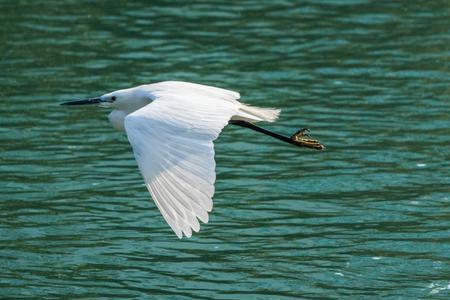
<point x="171" y="127"/>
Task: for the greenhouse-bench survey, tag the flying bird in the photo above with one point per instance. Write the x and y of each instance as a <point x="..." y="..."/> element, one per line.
<point x="171" y="127"/>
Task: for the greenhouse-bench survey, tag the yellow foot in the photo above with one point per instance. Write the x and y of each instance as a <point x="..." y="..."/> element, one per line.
<point x="302" y="139"/>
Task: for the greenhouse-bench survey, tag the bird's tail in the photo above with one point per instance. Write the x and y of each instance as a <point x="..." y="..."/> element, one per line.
<point x="256" y="114"/>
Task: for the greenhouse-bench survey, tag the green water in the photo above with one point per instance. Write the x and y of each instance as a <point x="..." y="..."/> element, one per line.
<point x="368" y="218"/>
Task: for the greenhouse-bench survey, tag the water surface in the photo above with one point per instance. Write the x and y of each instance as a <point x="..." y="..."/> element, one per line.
<point x="368" y="218"/>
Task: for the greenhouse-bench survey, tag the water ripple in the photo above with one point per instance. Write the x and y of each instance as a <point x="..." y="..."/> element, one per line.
<point x="367" y="218"/>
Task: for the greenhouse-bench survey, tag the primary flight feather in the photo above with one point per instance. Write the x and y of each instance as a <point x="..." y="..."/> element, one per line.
<point x="171" y="127"/>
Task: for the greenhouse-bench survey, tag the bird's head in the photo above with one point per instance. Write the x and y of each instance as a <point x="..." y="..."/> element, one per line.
<point x="127" y="100"/>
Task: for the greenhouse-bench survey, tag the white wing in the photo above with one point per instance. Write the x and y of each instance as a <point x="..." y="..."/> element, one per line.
<point x="172" y="140"/>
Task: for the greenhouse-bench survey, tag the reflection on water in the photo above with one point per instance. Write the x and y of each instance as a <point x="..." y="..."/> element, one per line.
<point x="368" y="217"/>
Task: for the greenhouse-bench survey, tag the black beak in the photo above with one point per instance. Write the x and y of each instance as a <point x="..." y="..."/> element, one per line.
<point x="82" y="102"/>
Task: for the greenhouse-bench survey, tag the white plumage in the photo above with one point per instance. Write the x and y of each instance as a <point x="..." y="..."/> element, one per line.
<point x="172" y="140"/>
<point x="171" y="126"/>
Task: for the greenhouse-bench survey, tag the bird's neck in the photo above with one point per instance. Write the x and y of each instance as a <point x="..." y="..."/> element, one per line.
<point x="117" y="119"/>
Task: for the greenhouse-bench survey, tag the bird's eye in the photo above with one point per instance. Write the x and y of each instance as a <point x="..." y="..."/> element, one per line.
<point x="113" y="98"/>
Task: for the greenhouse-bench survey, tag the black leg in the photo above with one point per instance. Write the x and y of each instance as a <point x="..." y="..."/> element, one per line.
<point x="297" y="139"/>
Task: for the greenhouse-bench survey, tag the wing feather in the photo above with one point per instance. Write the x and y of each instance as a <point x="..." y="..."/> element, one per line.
<point x="172" y="140"/>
